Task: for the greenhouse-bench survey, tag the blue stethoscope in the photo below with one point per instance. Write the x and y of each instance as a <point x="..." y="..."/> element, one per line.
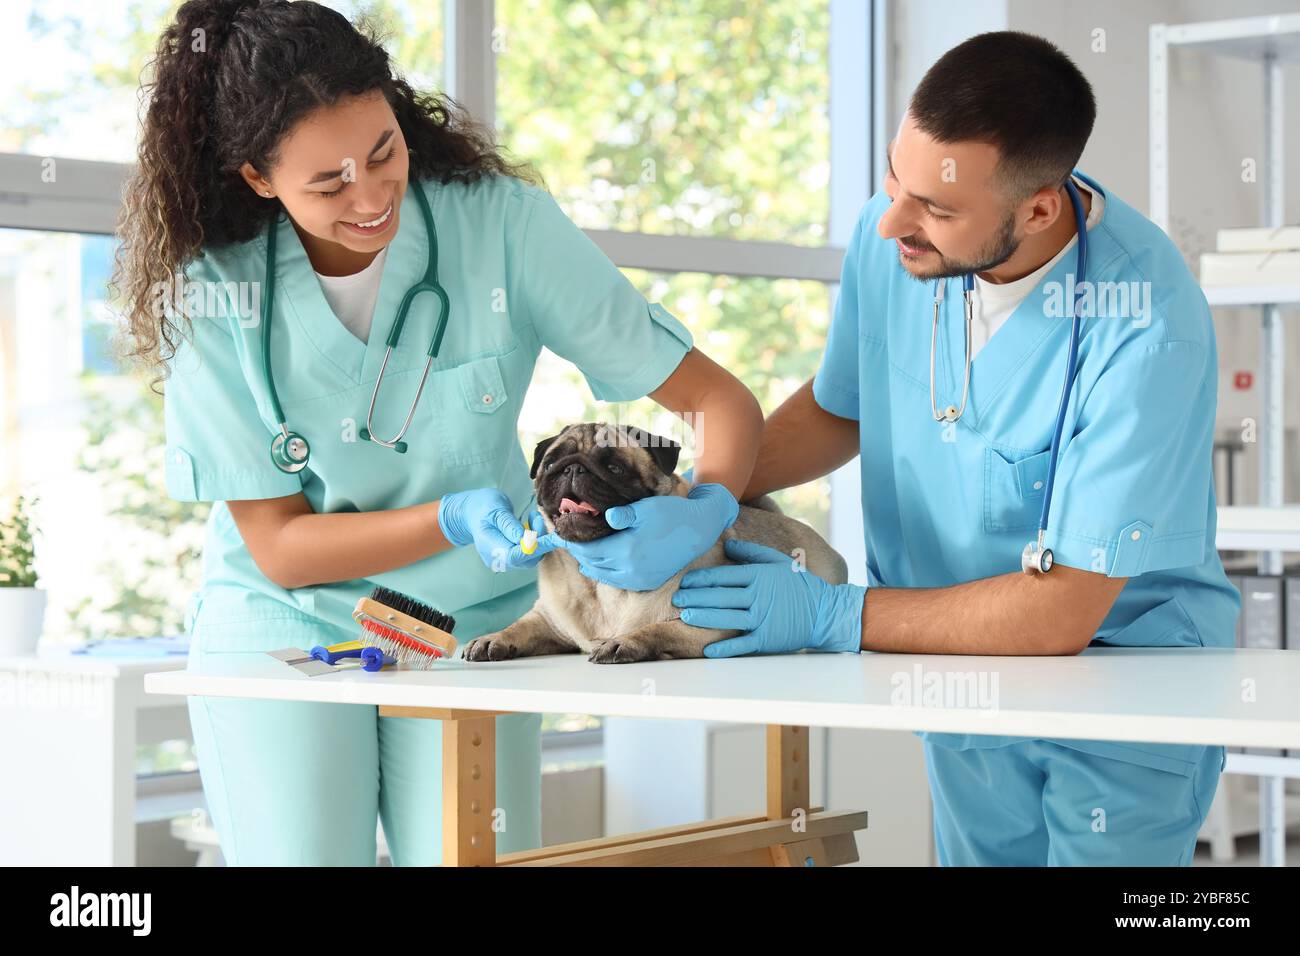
<point x="289" y="450"/>
<point x="1035" y="559"/>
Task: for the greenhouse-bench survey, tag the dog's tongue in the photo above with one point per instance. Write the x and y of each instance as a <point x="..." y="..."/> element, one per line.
<point x="568" y="506"/>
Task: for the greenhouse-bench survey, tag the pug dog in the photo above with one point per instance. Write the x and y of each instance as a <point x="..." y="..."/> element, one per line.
<point x="580" y="473"/>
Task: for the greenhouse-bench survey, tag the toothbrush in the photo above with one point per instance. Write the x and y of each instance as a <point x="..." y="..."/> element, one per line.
<point x="528" y="543"/>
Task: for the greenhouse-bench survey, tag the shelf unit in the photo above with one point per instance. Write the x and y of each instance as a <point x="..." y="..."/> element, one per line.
<point x="1270" y="41"/>
<point x="1251" y="528"/>
<point x="1261" y="295"/>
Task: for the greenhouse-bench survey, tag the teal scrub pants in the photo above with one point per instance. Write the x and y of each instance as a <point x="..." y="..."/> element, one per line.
<point x="289" y="783"/>
<point x="1036" y="803"/>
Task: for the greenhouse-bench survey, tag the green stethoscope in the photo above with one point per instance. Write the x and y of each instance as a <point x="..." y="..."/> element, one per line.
<point x="289" y="450"/>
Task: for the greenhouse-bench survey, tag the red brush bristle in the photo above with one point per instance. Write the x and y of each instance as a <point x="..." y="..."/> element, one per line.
<point x="397" y="637"/>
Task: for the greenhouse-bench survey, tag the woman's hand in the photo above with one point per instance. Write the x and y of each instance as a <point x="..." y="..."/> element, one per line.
<point x="655" y="537"/>
<point x="485" y="518"/>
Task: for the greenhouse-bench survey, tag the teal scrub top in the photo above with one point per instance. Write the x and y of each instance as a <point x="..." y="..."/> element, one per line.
<point x="1134" y="496"/>
<point x="519" y="276"/>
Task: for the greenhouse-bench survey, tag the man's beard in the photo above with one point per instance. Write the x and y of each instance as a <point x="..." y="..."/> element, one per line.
<point x="998" y="250"/>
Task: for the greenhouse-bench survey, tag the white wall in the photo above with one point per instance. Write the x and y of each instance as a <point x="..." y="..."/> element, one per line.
<point x="923" y="30"/>
<point x="1216" y="120"/>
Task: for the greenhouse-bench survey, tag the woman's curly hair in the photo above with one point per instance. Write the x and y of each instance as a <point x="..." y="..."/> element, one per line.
<point x="230" y="79"/>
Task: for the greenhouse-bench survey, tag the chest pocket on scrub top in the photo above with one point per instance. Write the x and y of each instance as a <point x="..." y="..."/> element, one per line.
<point x="470" y="420"/>
<point x="1013" y="489"/>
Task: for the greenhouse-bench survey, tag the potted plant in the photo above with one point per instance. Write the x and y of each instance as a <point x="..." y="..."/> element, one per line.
<point x="22" y="603"/>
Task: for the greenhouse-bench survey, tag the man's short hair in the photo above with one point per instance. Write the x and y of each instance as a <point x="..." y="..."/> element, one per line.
<point x="1016" y="92"/>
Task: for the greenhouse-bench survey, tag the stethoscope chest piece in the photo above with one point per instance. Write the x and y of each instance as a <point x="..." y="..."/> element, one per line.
<point x="1035" y="559"/>
<point x="290" y="451"/>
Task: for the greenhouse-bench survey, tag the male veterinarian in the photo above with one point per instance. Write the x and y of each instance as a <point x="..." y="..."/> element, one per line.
<point x="981" y="183"/>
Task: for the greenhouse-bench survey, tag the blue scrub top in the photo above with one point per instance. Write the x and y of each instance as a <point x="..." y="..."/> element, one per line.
<point x="519" y="274"/>
<point x="1134" y="496"/>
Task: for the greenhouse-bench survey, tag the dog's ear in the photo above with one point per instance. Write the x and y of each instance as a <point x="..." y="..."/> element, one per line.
<point x="539" y="453"/>
<point x="664" y="452"/>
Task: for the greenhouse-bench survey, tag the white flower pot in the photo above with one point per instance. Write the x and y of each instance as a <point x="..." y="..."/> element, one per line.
<point x="22" y="617"/>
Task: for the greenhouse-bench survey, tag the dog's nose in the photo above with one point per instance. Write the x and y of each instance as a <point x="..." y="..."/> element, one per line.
<point x="573" y="469"/>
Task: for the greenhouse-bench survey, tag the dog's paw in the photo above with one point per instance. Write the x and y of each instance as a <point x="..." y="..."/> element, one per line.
<point x="491" y="647"/>
<point x="621" y="650"/>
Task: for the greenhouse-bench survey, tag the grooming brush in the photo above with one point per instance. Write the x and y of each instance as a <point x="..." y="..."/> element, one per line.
<point x="405" y="629"/>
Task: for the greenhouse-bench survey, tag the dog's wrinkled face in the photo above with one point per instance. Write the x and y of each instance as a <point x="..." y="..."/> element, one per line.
<point x="591" y="467"/>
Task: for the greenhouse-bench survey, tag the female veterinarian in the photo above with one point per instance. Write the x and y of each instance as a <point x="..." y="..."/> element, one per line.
<point x="280" y="154"/>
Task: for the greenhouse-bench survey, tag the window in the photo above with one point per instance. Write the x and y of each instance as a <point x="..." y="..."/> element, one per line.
<point x="690" y="120"/>
<point x="705" y="118"/>
<point x="118" y="557"/>
<point x="77" y="71"/>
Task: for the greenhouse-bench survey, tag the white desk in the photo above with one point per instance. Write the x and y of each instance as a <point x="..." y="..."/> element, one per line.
<point x="1172" y="695"/>
<point x="68" y="751"/>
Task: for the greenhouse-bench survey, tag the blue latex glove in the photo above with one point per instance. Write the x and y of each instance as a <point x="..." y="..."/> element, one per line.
<point x="485" y="518"/>
<point x="782" y="607"/>
<point x="657" y="537"/>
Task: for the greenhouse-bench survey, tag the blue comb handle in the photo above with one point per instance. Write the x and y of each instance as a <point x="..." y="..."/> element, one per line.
<point x="322" y="653"/>
<point x="373" y="659"/>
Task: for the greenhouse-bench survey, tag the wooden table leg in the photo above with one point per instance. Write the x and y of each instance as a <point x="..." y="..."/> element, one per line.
<point x="787" y="771"/>
<point x="788" y="795"/>
<point x="469" y="782"/>
<point x="469" y="788"/>
<point x="793" y="832"/>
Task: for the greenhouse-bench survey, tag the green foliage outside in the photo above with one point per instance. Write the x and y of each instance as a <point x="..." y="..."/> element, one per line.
<point x="17" y="549"/>
<point x="142" y="589"/>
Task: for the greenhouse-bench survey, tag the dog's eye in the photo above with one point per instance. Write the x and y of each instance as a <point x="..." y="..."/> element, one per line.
<point x="614" y="469"/>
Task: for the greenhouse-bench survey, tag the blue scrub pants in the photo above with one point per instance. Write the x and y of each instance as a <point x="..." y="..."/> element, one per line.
<point x="289" y="783"/>
<point x="1036" y="803"/>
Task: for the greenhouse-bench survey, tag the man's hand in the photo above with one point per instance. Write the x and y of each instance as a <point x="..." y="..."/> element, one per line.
<point x="656" y="537"/>
<point x="783" y="607"/>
